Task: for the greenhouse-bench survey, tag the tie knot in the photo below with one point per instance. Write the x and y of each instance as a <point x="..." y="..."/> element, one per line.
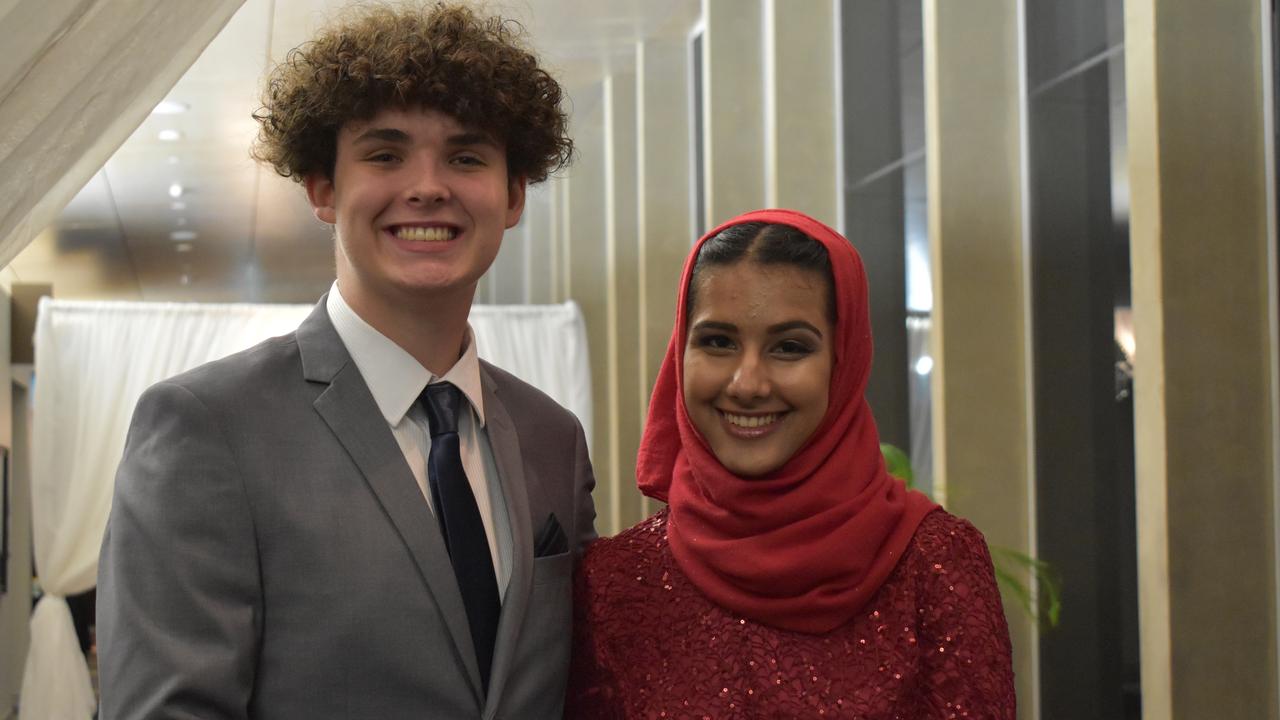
<point x="442" y="402"/>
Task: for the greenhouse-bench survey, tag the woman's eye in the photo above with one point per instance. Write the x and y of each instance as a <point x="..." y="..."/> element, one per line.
<point x="714" y="342"/>
<point x="793" y="348"/>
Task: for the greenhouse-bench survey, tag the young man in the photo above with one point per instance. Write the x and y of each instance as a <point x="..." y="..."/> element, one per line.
<point x="362" y="519"/>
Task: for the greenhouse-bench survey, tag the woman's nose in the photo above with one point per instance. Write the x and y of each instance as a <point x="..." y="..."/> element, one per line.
<point x="750" y="380"/>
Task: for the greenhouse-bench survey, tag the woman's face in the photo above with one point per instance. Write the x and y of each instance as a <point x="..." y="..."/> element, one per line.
<point x="757" y="362"/>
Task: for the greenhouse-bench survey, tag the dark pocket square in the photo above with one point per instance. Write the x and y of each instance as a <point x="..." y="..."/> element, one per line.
<point x="550" y="540"/>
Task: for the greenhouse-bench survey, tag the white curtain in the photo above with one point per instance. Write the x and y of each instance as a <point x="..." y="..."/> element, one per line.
<point x="93" y="360"/>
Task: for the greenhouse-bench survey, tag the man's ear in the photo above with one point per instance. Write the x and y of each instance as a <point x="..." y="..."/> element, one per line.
<point x="320" y="195"/>
<point x="515" y="199"/>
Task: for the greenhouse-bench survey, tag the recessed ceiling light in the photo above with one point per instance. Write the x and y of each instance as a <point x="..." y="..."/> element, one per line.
<point x="173" y="160"/>
<point x="178" y="205"/>
<point x="182" y="235"/>
<point x="176" y="190"/>
<point x="169" y="135"/>
<point x="181" y="221"/>
<point x="183" y="247"/>
<point x="170" y="107"/>
<point x="185" y="279"/>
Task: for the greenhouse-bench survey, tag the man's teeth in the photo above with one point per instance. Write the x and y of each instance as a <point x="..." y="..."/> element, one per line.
<point x="751" y="421"/>
<point x="425" y="234"/>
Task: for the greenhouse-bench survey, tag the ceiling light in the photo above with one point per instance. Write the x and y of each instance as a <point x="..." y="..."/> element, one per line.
<point x="173" y="160"/>
<point x="181" y="221"/>
<point x="175" y="191"/>
<point x="185" y="279"/>
<point x="183" y="247"/>
<point x="170" y="107"/>
<point x="169" y="135"/>
<point x="182" y="235"/>
<point x="178" y="205"/>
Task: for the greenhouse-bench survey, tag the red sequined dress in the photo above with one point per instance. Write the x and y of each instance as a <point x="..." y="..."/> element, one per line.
<point x="932" y="643"/>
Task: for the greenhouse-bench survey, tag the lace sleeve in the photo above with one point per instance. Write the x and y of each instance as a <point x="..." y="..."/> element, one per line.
<point x="968" y="665"/>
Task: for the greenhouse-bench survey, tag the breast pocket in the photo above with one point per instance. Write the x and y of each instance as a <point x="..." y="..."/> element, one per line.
<point x="552" y="568"/>
<point x="543" y="649"/>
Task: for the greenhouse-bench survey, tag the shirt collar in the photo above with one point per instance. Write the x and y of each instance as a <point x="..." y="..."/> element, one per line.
<point x="394" y="377"/>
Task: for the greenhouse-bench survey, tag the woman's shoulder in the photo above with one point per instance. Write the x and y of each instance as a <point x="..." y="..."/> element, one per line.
<point x="645" y="539"/>
<point x="945" y="538"/>
<point x="940" y="526"/>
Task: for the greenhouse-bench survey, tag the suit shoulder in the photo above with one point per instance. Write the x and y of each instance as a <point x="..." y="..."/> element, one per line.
<point x="239" y="373"/>
<point x="530" y="400"/>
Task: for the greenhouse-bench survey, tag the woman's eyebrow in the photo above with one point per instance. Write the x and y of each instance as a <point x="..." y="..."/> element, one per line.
<point x="714" y="325"/>
<point x="794" y="325"/>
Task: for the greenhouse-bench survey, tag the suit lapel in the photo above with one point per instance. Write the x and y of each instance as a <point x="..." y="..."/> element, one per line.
<point x="351" y="413"/>
<point x="508" y="460"/>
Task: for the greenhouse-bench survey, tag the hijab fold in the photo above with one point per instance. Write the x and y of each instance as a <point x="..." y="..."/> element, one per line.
<point x="805" y="547"/>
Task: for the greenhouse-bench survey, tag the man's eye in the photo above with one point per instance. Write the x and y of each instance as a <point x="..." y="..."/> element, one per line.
<point x="470" y="160"/>
<point x="383" y="157"/>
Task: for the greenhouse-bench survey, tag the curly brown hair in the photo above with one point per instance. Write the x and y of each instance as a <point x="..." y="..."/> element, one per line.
<point x="441" y="56"/>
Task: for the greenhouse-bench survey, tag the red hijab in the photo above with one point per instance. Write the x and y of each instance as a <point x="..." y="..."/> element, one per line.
<point x="805" y="547"/>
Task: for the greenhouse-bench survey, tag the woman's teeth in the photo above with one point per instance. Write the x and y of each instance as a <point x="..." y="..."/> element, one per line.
<point x="425" y="234"/>
<point x="751" y="421"/>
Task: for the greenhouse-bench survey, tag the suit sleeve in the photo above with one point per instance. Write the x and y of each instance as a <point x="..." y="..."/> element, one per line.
<point x="584" y="481"/>
<point x="965" y="638"/>
<point x="179" y="598"/>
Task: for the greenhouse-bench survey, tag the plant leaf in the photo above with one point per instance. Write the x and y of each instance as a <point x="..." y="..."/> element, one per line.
<point x="898" y="463"/>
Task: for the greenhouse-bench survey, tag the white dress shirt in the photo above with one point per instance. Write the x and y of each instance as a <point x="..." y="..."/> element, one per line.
<point x="396" y="379"/>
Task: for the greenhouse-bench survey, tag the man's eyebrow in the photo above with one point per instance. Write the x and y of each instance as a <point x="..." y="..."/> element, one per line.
<point x="391" y="135"/>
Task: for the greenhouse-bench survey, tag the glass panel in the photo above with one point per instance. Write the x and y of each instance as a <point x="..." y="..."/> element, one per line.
<point x="882" y="63"/>
<point x="1086" y="514"/>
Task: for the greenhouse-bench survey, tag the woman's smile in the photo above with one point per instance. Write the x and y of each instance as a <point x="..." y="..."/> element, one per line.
<point x="751" y="426"/>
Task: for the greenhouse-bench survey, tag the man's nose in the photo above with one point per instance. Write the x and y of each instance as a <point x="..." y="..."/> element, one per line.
<point x="428" y="184"/>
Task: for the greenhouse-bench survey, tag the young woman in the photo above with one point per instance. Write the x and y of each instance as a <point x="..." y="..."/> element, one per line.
<point x="790" y="575"/>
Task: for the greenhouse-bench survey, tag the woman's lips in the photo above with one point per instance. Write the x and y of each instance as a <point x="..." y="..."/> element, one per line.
<point x="750" y="426"/>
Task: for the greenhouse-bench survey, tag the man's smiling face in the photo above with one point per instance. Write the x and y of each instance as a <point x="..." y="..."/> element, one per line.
<point x="419" y="202"/>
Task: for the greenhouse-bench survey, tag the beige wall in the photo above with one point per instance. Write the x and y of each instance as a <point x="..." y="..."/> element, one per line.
<point x="86" y="273"/>
<point x="981" y="425"/>
<point x="1204" y="322"/>
<point x="665" y="218"/>
<point x="801" y="139"/>
<point x="733" y="108"/>
<point x="623" y="241"/>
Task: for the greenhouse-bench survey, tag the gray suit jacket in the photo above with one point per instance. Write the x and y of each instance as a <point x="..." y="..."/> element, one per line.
<point x="269" y="554"/>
